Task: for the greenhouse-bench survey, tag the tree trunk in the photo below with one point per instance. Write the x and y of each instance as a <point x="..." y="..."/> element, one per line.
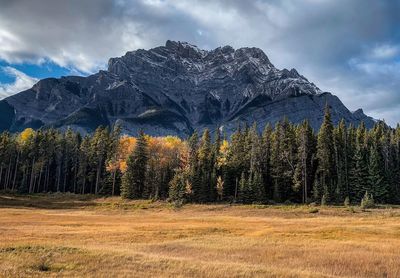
<point x="34" y="183"/>
<point x="65" y="179"/>
<point x="75" y="174"/>
<point x="1" y="175"/>
<point x="58" y="178"/>
<point x="15" y="172"/>
<point x="84" y="185"/>
<point x="24" y="174"/>
<point x="32" y="174"/>
<point x="40" y="178"/>
<point x="113" y="184"/>
<point x="98" y="177"/>
<point x="305" y="183"/>
<point x="47" y="177"/>
<point x="8" y="174"/>
<point x="236" y="188"/>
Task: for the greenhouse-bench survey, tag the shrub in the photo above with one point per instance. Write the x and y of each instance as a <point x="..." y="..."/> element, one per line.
<point x="288" y="202"/>
<point x="367" y="201"/>
<point x="177" y="204"/>
<point x="313" y="210"/>
<point x="351" y="209"/>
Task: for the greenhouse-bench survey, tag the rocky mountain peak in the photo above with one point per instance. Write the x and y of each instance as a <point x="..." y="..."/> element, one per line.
<point x="185" y="49"/>
<point x="175" y="89"/>
<point x="253" y="53"/>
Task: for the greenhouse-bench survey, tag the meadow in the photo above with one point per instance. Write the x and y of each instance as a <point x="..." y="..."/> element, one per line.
<point x="63" y="235"/>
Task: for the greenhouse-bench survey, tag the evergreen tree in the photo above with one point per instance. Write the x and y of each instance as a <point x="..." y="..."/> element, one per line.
<point x="376" y="180"/>
<point x="257" y="187"/>
<point x="235" y="164"/>
<point x="359" y="171"/>
<point x="283" y="160"/>
<point x="341" y="163"/>
<point x="215" y="168"/>
<point x="84" y="163"/>
<point x="244" y="194"/>
<point x="194" y="171"/>
<point x="256" y="184"/>
<point x="205" y="155"/>
<point x="326" y="171"/>
<point x="134" y="177"/>
<point x="340" y="137"/>
<point x="112" y="158"/>
<point x="393" y="176"/>
<point x="177" y="187"/>
<point x="304" y="169"/>
<point x="266" y="142"/>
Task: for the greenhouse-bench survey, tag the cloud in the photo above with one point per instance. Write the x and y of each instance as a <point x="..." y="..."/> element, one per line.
<point x="385" y="51"/>
<point x="350" y="48"/>
<point x="21" y="82"/>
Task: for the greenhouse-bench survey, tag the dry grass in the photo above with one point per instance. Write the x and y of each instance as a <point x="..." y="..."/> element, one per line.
<point x="71" y="235"/>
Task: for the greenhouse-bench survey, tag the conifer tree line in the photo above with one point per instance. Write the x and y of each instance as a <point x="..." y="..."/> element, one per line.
<point x="285" y="163"/>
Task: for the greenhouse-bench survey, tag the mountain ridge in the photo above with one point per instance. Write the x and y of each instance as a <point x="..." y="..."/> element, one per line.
<point x="174" y="90"/>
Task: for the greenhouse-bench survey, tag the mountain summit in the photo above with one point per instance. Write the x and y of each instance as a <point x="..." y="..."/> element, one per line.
<point x="175" y="89"/>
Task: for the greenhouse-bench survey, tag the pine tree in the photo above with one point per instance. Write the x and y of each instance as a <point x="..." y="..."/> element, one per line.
<point x="266" y="142"/>
<point x="99" y="149"/>
<point x="84" y="162"/>
<point x="134" y="177"/>
<point x="304" y="172"/>
<point x="194" y="170"/>
<point x="254" y="150"/>
<point x="207" y="190"/>
<point x="244" y="194"/>
<point x="283" y="160"/>
<point x="215" y="168"/>
<point x="341" y="165"/>
<point x="358" y="179"/>
<point x="111" y="184"/>
<point x="112" y="157"/>
<point x="326" y="171"/>
<point x="351" y="148"/>
<point x="256" y="183"/>
<point x="394" y="174"/>
<point x="377" y="185"/>
<point x="235" y="164"/>
<point x="340" y="137"/>
<point x="257" y="186"/>
<point x="177" y="187"/>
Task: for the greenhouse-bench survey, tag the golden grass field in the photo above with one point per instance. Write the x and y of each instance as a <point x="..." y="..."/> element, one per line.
<point x="67" y="235"/>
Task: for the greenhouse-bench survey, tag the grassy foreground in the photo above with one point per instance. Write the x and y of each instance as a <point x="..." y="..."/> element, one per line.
<point x="68" y="235"/>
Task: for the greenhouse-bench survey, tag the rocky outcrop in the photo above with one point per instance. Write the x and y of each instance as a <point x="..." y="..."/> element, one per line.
<point x="175" y="89"/>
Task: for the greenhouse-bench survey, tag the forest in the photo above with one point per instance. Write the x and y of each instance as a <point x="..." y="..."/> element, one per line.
<point x="286" y="163"/>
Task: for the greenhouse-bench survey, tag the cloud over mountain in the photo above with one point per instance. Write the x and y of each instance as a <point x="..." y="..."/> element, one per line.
<point x="21" y="82"/>
<point x="348" y="47"/>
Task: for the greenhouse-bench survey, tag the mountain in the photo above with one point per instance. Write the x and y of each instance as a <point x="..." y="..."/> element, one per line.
<point x="175" y="89"/>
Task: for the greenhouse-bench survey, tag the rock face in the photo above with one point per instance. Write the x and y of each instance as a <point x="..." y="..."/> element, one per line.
<point x="175" y="89"/>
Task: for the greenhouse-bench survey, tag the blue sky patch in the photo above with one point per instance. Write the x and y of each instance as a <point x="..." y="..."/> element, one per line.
<point x="44" y="70"/>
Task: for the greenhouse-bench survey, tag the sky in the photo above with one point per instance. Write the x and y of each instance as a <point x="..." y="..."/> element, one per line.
<point x="348" y="47"/>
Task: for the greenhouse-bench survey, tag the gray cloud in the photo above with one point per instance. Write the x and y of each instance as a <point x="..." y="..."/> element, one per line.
<point x="351" y="48"/>
<point x="21" y="82"/>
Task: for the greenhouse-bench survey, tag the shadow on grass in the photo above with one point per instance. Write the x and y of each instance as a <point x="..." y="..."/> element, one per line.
<point x="47" y="201"/>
